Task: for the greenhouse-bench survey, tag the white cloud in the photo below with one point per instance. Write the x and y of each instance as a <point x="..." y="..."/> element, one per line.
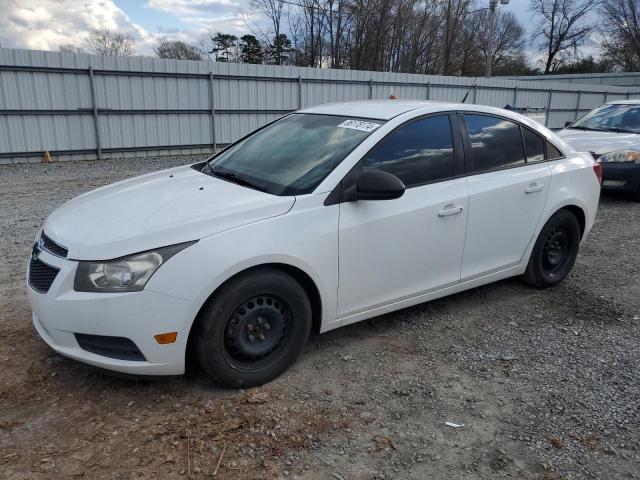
<point x="47" y="24"/>
<point x="199" y="12"/>
<point x="204" y="16"/>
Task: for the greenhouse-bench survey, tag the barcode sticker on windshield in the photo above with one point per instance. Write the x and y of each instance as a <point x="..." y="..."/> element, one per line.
<point x="359" y="125"/>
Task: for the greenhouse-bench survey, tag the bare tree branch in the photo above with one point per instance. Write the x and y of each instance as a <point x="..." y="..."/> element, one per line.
<point x="107" y="42"/>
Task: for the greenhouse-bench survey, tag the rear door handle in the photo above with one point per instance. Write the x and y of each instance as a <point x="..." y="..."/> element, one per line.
<point x="450" y="210"/>
<point x="534" y="187"/>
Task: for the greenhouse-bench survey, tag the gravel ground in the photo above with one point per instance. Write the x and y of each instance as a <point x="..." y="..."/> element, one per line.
<point x="546" y="383"/>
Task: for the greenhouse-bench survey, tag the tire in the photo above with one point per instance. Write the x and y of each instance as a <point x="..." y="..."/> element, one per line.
<point x="555" y="250"/>
<point x="253" y="329"/>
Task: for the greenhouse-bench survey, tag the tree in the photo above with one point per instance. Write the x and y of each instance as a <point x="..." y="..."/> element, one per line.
<point x="413" y="36"/>
<point x="585" y="65"/>
<point x="250" y="50"/>
<point x="516" y="65"/>
<point x="562" y="28"/>
<point x="272" y="9"/>
<point x="508" y="42"/>
<point x="279" y="49"/>
<point x="337" y="25"/>
<point x="106" y="42"/>
<point x="70" y="48"/>
<point x="177" y="50"/>
<point x="621" y="42"/>
<point x="223" y="47"/>
<point x="453" y="13"/>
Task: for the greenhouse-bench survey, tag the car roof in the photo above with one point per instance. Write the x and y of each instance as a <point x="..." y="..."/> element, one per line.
<point x="388" y="109"/>
<point x="378" y="109"/>
<point x="624" y="102"/>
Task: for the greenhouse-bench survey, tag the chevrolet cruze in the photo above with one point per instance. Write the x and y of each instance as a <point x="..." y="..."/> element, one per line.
<point x="325" y="217"/>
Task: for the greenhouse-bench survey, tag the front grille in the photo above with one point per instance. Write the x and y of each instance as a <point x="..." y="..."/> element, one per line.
<point x="112" y="347"/>
<point x="41" y="275"/>
<point x="52" y="247"/>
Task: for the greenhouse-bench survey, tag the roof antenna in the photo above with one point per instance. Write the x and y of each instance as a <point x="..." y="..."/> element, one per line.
<point x="475" y="81"/>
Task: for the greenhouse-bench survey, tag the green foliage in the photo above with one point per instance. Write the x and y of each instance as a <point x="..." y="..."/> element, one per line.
<point x="223" y="47"/>
<point x="585" y="65"/>
<point x="250" y="50"/>
<point x="279" y="50"/>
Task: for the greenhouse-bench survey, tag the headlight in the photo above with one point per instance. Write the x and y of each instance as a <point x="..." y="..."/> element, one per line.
<point x="126" y="274"/>
<point x="620" y="156"/>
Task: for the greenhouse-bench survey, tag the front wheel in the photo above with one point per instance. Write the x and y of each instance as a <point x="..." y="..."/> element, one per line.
<point x="555" y="250"/>
<point x="253" y="329"/>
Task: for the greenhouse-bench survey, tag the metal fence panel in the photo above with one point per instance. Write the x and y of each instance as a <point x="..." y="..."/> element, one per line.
<point x="138" y="131"/>
<point x="622" y="79"/>
<point x="85" y="106"/>
<point x="28" y="133"/>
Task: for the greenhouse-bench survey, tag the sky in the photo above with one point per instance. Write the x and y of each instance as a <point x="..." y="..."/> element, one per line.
<point x="47" y="24"/>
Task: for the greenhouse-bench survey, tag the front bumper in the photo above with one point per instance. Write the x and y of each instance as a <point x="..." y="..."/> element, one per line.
<point x="623" y="176"/>
<point x="62" y="312"/>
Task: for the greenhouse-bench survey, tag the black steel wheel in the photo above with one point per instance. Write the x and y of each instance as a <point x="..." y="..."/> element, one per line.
<point x="257" y="330"/>
<point x="555" y="250"/>
<point x="253" y="328"/>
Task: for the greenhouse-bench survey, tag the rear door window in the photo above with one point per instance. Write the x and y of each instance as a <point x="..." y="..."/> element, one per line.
<point x="495" y="142"/>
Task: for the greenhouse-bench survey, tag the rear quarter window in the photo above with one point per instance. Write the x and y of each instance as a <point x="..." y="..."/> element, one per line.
<point x="553" y="153"/>
<point x="533" y="145"/>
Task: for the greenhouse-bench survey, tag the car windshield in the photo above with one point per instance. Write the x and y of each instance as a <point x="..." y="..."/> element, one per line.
<point x="611" y="118"/>
<point x="293" y="155"/>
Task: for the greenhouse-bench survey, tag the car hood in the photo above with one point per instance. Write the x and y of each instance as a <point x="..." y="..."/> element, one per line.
<point x="155" y="210"/>
<point x="599" y="142"/>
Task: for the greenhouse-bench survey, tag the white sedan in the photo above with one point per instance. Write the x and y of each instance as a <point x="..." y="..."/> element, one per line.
<point x="611" y="133"/>
<point x="328" y="216"/>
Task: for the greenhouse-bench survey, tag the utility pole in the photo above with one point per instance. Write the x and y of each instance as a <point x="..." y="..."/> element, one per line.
<point x="493" y="7"/>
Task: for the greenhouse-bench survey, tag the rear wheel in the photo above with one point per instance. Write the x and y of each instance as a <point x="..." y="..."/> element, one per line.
<point x="555" y="250"/>
<point x="253" y="329"/>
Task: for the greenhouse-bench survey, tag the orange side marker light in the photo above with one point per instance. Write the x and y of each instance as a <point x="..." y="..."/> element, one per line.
<point x="165" y="338"/>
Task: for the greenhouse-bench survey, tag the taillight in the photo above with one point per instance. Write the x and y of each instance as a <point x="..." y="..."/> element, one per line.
<point x="597" y="169"/>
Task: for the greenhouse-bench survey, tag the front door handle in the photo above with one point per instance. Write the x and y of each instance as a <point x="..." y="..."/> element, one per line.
<point x="450" y="210"/>
<point x="534" y="187"/>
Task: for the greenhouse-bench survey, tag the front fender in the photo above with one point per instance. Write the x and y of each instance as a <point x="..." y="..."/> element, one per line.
<point x="306" y="238"/>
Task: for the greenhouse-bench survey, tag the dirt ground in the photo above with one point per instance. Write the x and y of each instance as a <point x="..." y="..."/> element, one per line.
<point x="545" y="383"/>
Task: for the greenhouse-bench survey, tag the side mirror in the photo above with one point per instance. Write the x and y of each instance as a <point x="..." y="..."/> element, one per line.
<point x="567" y="123"/>
<point x="378" y="185"/>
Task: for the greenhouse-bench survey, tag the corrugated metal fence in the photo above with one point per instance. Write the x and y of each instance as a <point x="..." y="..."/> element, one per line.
<point x="80" y="106"/>
<point x="621" y="79"/>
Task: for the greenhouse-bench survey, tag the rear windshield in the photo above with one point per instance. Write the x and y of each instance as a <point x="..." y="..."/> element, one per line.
<point x="293" y="155"/>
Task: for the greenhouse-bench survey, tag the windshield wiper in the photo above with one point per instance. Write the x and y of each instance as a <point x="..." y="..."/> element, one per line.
<point x="232" y="177"/>
<point x="579" y="127"/>
<point x="618" y="130"/>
